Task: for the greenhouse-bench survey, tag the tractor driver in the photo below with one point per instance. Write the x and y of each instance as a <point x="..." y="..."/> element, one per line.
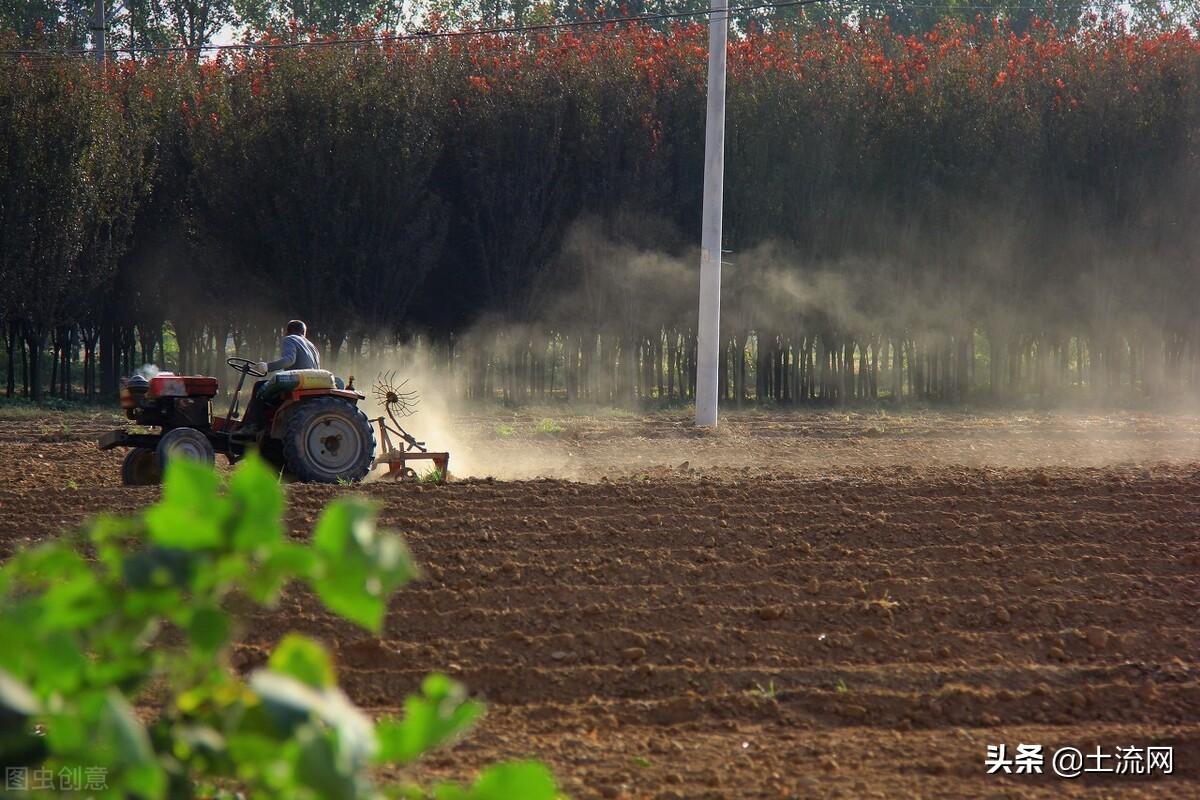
<point x="295" y="351"/>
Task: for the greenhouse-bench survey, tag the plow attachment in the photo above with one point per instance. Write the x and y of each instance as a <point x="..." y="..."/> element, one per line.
<point x="397" y="452"/>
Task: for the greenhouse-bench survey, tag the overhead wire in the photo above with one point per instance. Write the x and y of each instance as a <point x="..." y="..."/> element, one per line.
<point x="599" y="22"/>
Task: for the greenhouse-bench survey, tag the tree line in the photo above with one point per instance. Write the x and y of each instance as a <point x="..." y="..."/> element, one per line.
<point x="966" y="211"/>
<point x="194" y="24"/>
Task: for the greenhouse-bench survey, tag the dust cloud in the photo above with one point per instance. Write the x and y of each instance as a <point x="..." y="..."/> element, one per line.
<point x="605" y="285"/>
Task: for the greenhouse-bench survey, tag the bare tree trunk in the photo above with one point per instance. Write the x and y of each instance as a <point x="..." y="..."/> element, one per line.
<point x="35" y="340"/>
<point x="10" y="349"/>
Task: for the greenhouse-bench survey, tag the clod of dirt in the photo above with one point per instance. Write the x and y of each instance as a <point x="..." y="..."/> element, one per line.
<point x="633" y="653"/>
<point x="1097" y="637"/>
<point x="814" y="586"/>
<point x="245" y="658"/>
<point x="363" y="653"/>
<point x="771" y="612"/>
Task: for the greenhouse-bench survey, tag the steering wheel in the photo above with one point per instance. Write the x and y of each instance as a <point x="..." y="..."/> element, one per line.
<point x="246" y="366"/>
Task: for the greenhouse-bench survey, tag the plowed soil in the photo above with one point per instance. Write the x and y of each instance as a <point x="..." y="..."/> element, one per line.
<point x="813" y="605"/>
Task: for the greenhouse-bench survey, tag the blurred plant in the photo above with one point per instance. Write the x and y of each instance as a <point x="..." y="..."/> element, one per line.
<point x="133" y="612"/>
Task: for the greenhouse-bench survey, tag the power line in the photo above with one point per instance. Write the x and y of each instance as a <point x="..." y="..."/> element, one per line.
<point x="427" y="35"/>
<point x="494" y="31"/>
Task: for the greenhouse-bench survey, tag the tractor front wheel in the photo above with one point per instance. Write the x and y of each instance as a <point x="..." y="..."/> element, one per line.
<point x="140" y="467"/>
<point x="186" y="443"/>
<point x="328" y="440"/>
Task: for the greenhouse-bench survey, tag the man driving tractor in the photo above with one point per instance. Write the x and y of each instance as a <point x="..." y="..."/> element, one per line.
<point x="295" y="350"/>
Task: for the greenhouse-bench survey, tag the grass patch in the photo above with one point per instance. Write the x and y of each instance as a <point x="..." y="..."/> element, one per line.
<point x="548" y="427"/>
<point x="55" y="433"/>
<point x="770" y="691"/>
<point x="22" y="408"/>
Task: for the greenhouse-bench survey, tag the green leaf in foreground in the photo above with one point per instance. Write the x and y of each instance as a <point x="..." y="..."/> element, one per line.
<point x="359" y="566"/>
<point x="191" y="513"/>
<point x="441" y="712"/>
<point x="292" y="704"/>
<point x="208" y="628"/>
<point x="304" y="660"/>
<point x="527" y="780"/>
<point x="258" y="499"/>
<point x="141" y="612"/>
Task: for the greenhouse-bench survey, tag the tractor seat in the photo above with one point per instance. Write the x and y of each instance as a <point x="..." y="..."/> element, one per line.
<point x="284" y="381"/>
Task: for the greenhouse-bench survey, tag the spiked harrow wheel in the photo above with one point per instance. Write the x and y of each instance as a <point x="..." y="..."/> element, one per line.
<point x="398" y="403"/>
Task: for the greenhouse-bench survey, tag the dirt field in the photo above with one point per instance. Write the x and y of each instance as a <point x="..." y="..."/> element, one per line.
<point x="814" y="605"/>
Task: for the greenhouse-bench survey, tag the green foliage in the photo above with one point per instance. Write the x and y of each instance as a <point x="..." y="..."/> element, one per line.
<point x="548" y="427"/>
<point x="360" y="568"/>
<point x="134" y="612"/>
<point x="437" y="714"/>
<point x="325" y="16"/>
<point x="527" y="780"/>
<point x="434" y="476"/>
<point x="769" y="692"/>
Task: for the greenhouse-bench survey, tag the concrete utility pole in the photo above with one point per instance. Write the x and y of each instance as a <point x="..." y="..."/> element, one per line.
<point x="99" y="28"/>
<point x="708" y="335"/>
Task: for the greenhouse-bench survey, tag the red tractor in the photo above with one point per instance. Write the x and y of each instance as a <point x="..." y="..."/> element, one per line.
<point x="304" y="422"/>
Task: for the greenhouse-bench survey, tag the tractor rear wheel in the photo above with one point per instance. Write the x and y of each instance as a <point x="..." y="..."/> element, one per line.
<point x="140" y="467"/>
<point x="186" y="443"/>
<point x="328" y="440"/>
<point x="272" y="452"/>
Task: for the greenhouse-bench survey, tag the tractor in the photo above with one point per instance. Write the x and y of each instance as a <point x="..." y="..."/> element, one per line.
<point x="306" y="423"/>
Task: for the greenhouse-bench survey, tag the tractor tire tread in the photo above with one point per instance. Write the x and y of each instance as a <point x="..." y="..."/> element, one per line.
<point x="299" y="467"/>
<point x="134" y="463"/>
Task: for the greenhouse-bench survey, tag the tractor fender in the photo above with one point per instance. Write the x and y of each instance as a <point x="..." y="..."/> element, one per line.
<point x="284" y="412"/>
<point x="279" y="421"/>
